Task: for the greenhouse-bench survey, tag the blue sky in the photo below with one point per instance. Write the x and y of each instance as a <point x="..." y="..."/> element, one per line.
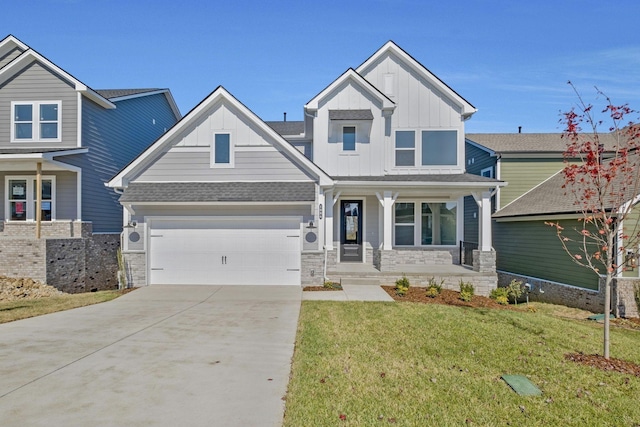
<point x="511" y="59"/>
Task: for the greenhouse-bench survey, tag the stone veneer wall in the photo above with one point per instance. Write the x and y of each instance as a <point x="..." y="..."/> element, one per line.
<point x="484" y="261"/>
<point x="393" y="260"/>
<point x="72" y="259"/>
<point x="136" y="267"/>
<point x="312" y="268"/>
<point x="624" y="297"/>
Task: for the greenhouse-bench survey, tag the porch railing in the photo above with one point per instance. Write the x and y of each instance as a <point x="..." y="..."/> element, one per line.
<point x="466" y="253"/>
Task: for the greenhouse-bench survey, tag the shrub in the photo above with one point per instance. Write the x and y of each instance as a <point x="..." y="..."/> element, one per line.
<point x="434" y="288"/>
<point x="466" y="291"/>
<point x="331" y="285"/>
<point x="515" y="290"/>
<point x="402" y="286"/>
<point x="501" y="295"/>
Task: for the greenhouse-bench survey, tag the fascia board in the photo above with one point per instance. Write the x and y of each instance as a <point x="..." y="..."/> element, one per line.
<point x="43" y="155"/>
<point x="452" y="185"/>
<point x="467" y="108"/>
<point x="31" y="55"/>
<point x="14" y="40"/>
<point x="387" y="104"/>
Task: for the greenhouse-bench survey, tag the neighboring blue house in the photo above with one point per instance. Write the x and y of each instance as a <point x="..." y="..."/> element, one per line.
<point x="61" y="136"/>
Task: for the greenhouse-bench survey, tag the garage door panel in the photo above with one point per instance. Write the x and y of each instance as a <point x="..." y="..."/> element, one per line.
<point x="230" y="251"/>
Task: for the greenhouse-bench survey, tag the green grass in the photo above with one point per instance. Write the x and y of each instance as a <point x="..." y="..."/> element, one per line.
<point x="16" y="310"/>
<point x="410" y="364"/>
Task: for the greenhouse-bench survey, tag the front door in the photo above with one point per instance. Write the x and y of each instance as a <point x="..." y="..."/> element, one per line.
<point x="351" y="231"/>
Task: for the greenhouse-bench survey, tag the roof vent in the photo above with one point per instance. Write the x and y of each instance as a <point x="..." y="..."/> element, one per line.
<point x="285" y="116"/>
<point x="519" y="127"/>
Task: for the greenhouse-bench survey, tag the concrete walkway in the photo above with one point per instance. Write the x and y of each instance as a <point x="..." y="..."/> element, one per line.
<point x="349" y="293"/>
<point x="158" y="356"/>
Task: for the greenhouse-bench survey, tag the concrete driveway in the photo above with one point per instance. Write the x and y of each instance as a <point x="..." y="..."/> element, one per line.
<point x="162" y="355"/>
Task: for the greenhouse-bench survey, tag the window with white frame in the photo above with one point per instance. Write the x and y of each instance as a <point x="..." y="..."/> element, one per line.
<point x="348" y="138"/>
<point x="421" y="223"/>
<point x="487" y="172"/>
<point x="405" y="148"/>
<point x="222" y="150"/>
<point x="21" y="200"/>
<point x="36" y="121"/>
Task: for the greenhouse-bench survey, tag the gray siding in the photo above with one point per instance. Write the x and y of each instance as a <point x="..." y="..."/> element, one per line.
<point x="184" y="164"/>
<point x="532" y="248"/>
<point x="476" y="160"/>
<point x="10" y="56"/>
<point x="114" y="138"/>
<point x="38" y="83"/>
<point x="66" y="194"/>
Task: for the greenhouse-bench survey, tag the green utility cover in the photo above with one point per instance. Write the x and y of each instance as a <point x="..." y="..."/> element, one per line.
<point x="600" y="317"/>
<point x="521" y="385"/>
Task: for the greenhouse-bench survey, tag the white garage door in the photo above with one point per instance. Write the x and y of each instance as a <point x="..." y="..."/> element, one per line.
<point x="224" y="251"/>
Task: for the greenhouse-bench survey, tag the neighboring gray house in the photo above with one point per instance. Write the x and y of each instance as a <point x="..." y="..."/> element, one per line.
<point x="61" y="136"/>
<point x="370" y="184"/>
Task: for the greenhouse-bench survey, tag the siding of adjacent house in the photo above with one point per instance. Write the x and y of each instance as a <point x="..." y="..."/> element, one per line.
<point x="188" y="158"/>
<point x="65" y="192"/>
<point x="10" y="56"/>
<point x="114" y="137"/>
<point x="476" y="161"/>
<point x="532" y="248"/>
<point x="37" y="83"/>
<point x="632" y="228"/>
<point x="524" y="174"/>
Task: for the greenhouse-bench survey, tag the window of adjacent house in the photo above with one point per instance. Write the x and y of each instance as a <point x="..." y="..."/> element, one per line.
<point x="429" y="223"/>
<point x="35" y="121"/>
<point x="488" y="172"/>
<point x="349" y="138"/>
<point x="222" y="153"/>
<point x="405" y="148"/>
<point x="439" y="147"/>
<point x="21" y="198"/>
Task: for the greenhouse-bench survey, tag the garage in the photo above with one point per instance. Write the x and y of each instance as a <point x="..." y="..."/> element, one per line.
<point x="224" y="251"/>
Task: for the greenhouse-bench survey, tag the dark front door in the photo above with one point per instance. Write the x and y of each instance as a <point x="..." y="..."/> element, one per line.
<point x="351" y="231"/>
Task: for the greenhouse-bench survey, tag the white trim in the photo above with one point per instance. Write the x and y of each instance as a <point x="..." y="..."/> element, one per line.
<point x="490" y="170"/>
<point x="355" y="139"/>
<point x="79" y="120"/>
<point x="35" y="121"/>
<point x="30" y="197"/>
<point x="166" y="92"/>
<point x="362" y="200"/>
<point x="530" y="190"/>
<point x="479" y="146"/>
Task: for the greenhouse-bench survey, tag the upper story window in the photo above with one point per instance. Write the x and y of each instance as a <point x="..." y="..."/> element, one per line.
<point x="21" y="200"/>
<point x="436" y="148"/>
<point x="487" y="172"/>
<point x="405" y="148"/>
<point x="37" y="121"/>
<point x="222" y="150"/>
<point x="348" y="138"/>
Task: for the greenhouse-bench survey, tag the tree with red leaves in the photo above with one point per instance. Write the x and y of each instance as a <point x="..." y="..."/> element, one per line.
<point x="602" y="175"/>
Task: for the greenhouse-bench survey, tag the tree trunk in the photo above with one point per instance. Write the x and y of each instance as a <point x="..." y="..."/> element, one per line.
<point x="607" y="313"/>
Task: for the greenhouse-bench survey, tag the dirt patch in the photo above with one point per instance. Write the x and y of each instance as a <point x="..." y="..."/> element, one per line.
<point x="447" y="297"/>
<point x="13" y="289"/>
<point x="599" y="362"/>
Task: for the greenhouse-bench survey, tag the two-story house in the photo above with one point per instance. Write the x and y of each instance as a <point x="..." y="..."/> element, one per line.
<point x="371" y="182"/>
<point x="60" y="141"/>
<point x="527" y="249"/>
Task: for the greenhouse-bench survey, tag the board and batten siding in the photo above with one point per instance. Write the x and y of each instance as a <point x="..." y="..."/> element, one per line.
<point x="524" y="174"/>
<point x="188" y="157"/>
<point x="476" y="161"/>
<point x="65" y="192"/>
<point x="532" y="248"/>
<point x="114" y="138"/>
<point x="419" y="106"/>
<point x="38" y="83"/>
<point x="10" y="56"/>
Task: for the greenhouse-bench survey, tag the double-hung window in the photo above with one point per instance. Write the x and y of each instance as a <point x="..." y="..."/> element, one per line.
<point x="405" y="148"/>
<point x="421" y="223"/>
<point x="36" y="121"/>
<point x="222" y="151"/>
<point x="22" y="201"/>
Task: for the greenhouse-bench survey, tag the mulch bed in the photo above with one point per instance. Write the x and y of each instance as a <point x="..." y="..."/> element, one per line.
<point x="599" y="362"/>
<point x="447" y="297"/>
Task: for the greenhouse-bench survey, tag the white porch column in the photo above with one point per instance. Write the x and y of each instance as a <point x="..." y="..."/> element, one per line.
<point x="387" y="217"/>
<point x="328" y="219"/>
<point x="485" y="243"/>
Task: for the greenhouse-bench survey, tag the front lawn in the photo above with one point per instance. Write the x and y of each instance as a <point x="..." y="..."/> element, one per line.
<point x="23" y="308"/>
<point x="408" y="364"/>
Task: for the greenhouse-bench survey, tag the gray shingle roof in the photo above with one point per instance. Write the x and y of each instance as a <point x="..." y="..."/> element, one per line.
<point x="219" y="192"/>
<point x="287" y="128"/>
<point x="459" y="178"/>
<point x="36" y="150"/>
<point x="117" y="93"/>
<point x="350" y="115"/>
<point x="528" y="142"/>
